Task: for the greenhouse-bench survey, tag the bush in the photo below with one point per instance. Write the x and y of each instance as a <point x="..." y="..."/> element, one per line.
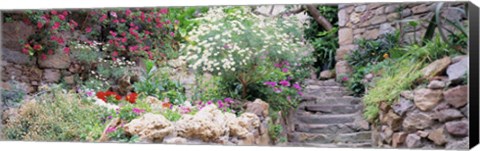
<point x="324" y="42"/>
<point x="233" y="43"/>
<point x="56" y="116"/>
<point x="13" y="97"/>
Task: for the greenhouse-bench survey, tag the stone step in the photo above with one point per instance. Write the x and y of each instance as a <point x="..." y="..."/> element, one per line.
<point x="333" y="108"/>
<point x="312" y="99"/>
<point x="330" y="82"/>
<point x="327" y="93"/>
<point x="357" y="137"/>
<point x="325" y="128"/>
<point x="324" y="88"/>
<point x="327" y="119"/>
<point x="332" y="145"/>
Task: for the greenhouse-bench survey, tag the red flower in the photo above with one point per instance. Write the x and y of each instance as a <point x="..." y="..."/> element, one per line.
<point x="65" y="13"/>
<point x="142" y="16"/>
<point x="164" y="10"/>
<point x="50" y="52"/>
<point x="104" y="16"/>
<point x="114" y="53"/>
<point x="128" y="12"/>
<point x="37" y="47"/>
<point x="114" y="34"/>
<point x="102" y="95"/>
<point x="54" y="12"/>
<point x="43" y="56"/>
<point x="132" y="97"/>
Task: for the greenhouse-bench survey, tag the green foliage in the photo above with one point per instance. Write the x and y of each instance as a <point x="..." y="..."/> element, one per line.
<point x="73" y="120"/>
<point x="158" y="84"/>
<point x="324" y="42"/>
<point x="14" y="96"/>
<point x="172" y="115"/>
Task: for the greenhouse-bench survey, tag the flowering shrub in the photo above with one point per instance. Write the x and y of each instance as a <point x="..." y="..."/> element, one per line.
<point x="233" y="43"/>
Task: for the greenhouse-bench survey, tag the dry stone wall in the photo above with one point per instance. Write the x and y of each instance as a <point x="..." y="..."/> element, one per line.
<point x="370" y="21"/>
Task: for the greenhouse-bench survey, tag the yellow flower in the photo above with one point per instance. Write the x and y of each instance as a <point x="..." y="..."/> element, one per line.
<point x="385" y="55"/>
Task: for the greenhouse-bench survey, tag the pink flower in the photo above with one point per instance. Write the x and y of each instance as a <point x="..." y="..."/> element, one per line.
<point x="53" y="38"/>
<point x="113" y="14"/>
<point x="345" y="79"/>
<point x="111" y="129"/>
<point x="128" y="12"/>
<point x="104" y="16"/>
<point x="114" y="34"/>
<point x="25" y="50"/>
<point x="137" y="111"/>
<point x="66" y="50"/>
<point x="277" y="90"/>
<point x="142" y="16"/>
<point x="172" y="34"/>
<point x="43" y="56"/>
<point x="285" y="70"/>
<point x="284" y="83"/>
<point x="124" y="40"/>
<point x="123" y="20"/>
<point x="114" y="53"/>
<point x="297" y="86"/>
<point x="115" y="21"/>
<point x="53" y="12"/>
<point x="88" y="29"/>
<point x="65" y="13"/>
<point x="56" y="25"/>
<point x="270" y="83"/>
<point x="50" y="52"/>
<point x="164" y="11"/>
<point x="228" y="100"/>
<point x="61" y="17"/>
<point x="39" y="25"/>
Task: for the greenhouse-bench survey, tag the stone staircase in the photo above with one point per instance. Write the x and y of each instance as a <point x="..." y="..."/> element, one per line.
<point x="328" y="117"/>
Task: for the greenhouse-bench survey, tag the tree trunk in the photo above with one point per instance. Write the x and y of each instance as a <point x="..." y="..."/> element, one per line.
<point x="322" y="21"/>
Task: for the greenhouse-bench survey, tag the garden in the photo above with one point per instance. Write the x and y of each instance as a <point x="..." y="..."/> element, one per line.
<point x="230" y="75"/>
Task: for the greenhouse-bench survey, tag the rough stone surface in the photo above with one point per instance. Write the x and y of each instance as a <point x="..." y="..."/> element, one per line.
<point x="69" y="79"/>
<point x="417" y="121"/>
<point x="436" y="84"/>
<point x="150" y="126"/>
<point x="436" y="67"/>
<point x="457" y="128"/>
<point x="343" y="52"/>
<point x="457" y="70"/>
<point x="448" y="115"/>
<point x="438" y="136"/>
<point x="398" y="139"/>
<point x="426" y="99"/>
<point x="16" y="31"/>
<point x="342" y="68"/>
<point x="413" y="141"/>
<point x="59" y="60"/>
<point x="457" y="96"/>
<point x="407" y="94"/>
<point x="207" y="124"/>
<point x="17" y="57"/>
<point x="402" y="106"/>
<point x="51" y="75"/>
<point x="258" y="107"/>
<point x="342" y="17"/>
<point x="327" y="74"/>
<point x="392" y="120"/>
<point x="345" y="36"/>
<point x="462" y="144"/>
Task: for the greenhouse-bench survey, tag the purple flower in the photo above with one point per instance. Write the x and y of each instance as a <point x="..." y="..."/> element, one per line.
<point x="138" y="111"/>
<point x="286" y="63"/>
<point x="270" y="83"/>
<point x="284" y="83"/>
<point x="90" y="93"/>
<point x="176" y="21"/>
<point x="109" y="117"/>
<point x="284" y="69"/>
<point x="300" y="93"/>
<point x="288" y="98"/>
<point x="220" y="104"/>
<point x="172" y="34"/>
<point x="111" y="129"/>
<point x="228" y="100"/>
<point x="297" y="86"/>
<point x="209" y="102"/>
<point x="289" y="78"/>
<point x="278" y="65"/>
<point x="277" y="90"/>
<point x="345" y="79"/>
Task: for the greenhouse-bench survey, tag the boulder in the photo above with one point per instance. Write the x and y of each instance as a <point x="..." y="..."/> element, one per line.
<point x="398" y="139"/>
<point x="386" y="134"/>
<point x="407" y="94"/>
<point x="423" y="134"/>
<point x="208" y="124"/>
<point x="258" y="107"/>
<point x="17" y="57"/>
<point x="457" y="96"/>
<point x="436" y="84"/>
<point x="426" y="99"/>
<point x="402" y="106"/>
<point x="13" y="32"/>
<point x="457" y="128"/>
<point x="438" y="136"/>
<point x="51" y="75"/>
<point x="417" y="121"/>
<point x="457" y="145"/>
<point x="448" y="115"/>
<point x="436" y="68"/>
<point x="327" y="74"/>
<point x="58" y="60"/>
<point x="69" y="79"/>
<point x="457" y="70"/>
<point x="392" y="120"/>
<point x="342" y="69"/>
<point x="150" y="126"/>
<point x="175" y="140"/>
<point x="413" y="141"/>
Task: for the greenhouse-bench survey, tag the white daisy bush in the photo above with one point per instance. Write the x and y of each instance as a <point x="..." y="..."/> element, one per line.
<point x="233" y="42"/>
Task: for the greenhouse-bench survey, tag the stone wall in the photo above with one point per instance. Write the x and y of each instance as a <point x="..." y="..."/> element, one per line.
<point x="433" y="116"/>
<point x="31" y="72"/>
<point x="370" y="21"/>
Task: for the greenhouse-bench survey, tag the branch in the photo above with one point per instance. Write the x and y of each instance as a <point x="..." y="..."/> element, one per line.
<point x="319" y="18"/>
<point x="292" y="12"/>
